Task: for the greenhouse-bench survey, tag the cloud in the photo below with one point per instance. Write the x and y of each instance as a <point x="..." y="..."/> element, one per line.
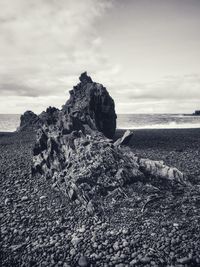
<point x="45" y="45"/>
<point x="171" y="94"/>
<point x="169" y="88"/>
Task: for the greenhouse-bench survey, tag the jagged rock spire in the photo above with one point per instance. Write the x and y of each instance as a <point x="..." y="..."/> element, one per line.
<point x="91" y="103"/>
<point x="84" y="78"/>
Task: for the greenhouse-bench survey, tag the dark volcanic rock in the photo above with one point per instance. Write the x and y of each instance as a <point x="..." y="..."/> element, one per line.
<point x="73" y="150"/>
<point x="89" y="104"/>
<point x="92" y="105"/>
<point x="29" y="120"/>
<point x="86" y="167"/>
<point x="50" y="116"/>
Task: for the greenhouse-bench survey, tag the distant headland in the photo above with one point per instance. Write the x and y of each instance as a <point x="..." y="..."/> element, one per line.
<point x="196" y="113"/>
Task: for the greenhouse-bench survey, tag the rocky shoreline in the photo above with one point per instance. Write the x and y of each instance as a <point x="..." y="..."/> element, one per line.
<point x="74" y="196"/>
<point x="40" y="228"/>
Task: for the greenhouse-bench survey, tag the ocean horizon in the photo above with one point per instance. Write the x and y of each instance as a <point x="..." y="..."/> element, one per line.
<point x="10" y="122"/>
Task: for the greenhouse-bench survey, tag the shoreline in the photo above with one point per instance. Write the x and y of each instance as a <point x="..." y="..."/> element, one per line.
<point x="130" y="128"/>
<point x="154" y="128"/>
<point x="125" y="129"/>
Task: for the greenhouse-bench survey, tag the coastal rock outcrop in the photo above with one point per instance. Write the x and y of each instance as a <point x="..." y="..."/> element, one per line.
<point x="74" y="149"/>
<point x="29" y="120"/>
<point x="89" y="104"/>
<point x="92" y="105"/>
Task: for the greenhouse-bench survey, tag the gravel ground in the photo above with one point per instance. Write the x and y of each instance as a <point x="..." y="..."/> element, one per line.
<point x="40" y="228"/>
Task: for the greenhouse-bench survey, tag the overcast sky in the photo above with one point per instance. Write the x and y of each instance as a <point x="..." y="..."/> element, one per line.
<point x="146" y="52"/>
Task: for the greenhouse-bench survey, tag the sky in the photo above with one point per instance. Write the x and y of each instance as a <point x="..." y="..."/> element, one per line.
<point x="145" y="52"/>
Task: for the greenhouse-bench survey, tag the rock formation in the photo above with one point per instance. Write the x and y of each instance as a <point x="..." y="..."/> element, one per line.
<point x="74" y="151"/>
<point x="29" y="120"/>
<point x="91" y="104"/>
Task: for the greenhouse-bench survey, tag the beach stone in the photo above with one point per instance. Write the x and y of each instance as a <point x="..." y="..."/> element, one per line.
<point x="83" y="261"/>
<point x="133" y="262"/>
<point x="42" y="198"/>
<point x="145" y="260"/>
<point x="95" y="245"/>
<point x="24" y="198"/>
<point x="7" y="201"/>
<point x="72" y="252"/>
<point x="125" y="244"/>
<point x="116" y="246"/>
<point x="90" y="207"/>
<point x="76" y="240"/>
<point x="133" y="255"/>
<point x="120" y="265"/>
<point x="184" y="260"/>
<point x="125" y="231"/>
<point x="82" y="229"/>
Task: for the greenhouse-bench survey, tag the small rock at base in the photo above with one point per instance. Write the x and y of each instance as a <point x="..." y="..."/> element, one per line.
<point x="25" y="198"/>
<point x="184" y="260"/>
<point x="42" y="198"/>
<point x="83" y="261"/>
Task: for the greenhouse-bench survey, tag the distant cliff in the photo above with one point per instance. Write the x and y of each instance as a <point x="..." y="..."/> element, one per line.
<point x="196" y="113"/>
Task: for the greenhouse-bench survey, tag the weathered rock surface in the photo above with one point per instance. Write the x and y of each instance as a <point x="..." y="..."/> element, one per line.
<point x="29" y="120"/>
<point x="92" y="105"/>
<point x="72" y="149"/>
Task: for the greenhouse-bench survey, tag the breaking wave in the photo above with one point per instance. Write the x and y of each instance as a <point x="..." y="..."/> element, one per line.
<point x="157" y="121"/>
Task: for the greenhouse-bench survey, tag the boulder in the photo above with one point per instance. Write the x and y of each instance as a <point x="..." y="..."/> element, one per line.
<point x="83" y="261"/>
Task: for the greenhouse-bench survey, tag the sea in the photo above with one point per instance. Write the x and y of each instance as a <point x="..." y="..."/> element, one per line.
<point x="10" y="122"/>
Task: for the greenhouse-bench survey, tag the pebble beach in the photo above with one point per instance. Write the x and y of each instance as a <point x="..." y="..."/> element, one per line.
<point x="40" y="228"/>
